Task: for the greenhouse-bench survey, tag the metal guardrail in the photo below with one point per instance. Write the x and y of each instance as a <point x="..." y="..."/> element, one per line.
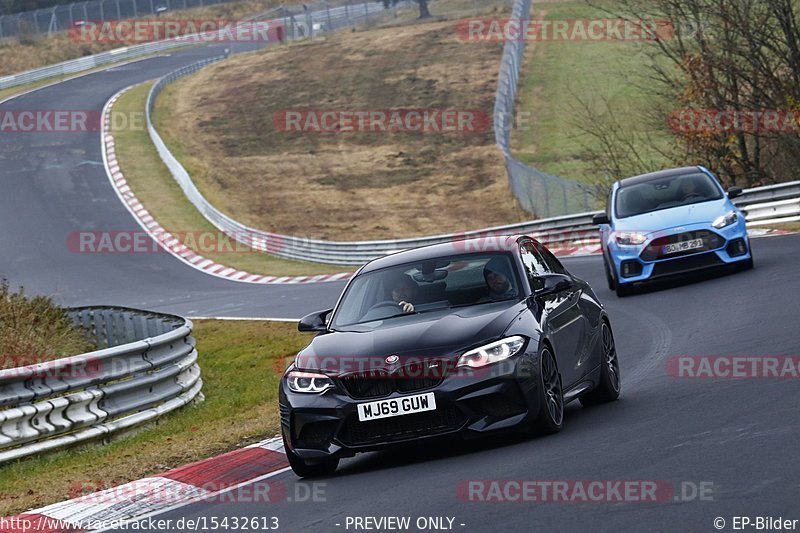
<point x="146" y="366"/>
<point x="555" y="231"/>
<point x="772" y="212"/>
<point x="333" y="252"/>
<point x="89" y="62"/>
<point x="65" y="16"/>
<point x="285" y="14"/>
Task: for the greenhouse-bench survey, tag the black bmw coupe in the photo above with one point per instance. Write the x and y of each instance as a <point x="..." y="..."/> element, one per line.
<point x="462" y="338"/>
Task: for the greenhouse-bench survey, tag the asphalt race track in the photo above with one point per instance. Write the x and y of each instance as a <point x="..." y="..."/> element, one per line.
<point x="54" y="184"/>
<point x="738" y="435"/>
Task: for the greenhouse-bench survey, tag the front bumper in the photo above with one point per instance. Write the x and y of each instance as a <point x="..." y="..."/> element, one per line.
<point x="730" y="246"/>
<point x="501" y="396"/>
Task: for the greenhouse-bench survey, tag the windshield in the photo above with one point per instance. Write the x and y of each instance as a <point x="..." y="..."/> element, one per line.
<point x="430" y="285"/>
<point x="665" y="193"/>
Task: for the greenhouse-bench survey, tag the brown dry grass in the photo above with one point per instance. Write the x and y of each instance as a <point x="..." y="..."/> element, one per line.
<point x="41" y="50"/>
<point x="349" y="185"/>
<point x="34" y="330"/>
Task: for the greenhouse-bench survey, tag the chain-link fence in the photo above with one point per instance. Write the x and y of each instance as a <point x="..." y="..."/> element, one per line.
<point x="539" y="193"/>
<point x="66" y="16"/>
<point x="312" y="18"/>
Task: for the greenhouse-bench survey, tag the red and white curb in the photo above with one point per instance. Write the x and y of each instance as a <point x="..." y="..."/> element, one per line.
<point x="166" y="240"/>
<point x="755" y="233"/>
<point x="227" y="478"/>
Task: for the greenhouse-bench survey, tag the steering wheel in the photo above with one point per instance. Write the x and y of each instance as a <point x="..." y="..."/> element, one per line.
<point x="382" y="310"/>
<point x="691" y="195"/>
<point x="385" y="303"/>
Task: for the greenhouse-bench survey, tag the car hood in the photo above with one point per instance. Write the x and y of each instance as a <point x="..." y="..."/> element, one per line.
<point x="684" y="215"/>
<point x="441" y="334"/>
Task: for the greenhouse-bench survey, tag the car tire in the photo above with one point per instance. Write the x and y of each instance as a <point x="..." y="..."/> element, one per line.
<point x="551" y="397"/>
<point x="609" y="385"/>
<point x="303" y="468"/>
<point x="609" y="278"/>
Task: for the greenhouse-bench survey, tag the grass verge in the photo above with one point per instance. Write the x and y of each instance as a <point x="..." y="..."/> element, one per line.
<point x="224" y="125"/>
<point x="559" y="73"/>
<point x="241" y="364"/>
<point x="155" y="187"/>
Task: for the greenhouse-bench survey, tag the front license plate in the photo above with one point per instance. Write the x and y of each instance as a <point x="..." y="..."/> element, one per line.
<point x="396" y="407"/>
<point x="683" y="246"/>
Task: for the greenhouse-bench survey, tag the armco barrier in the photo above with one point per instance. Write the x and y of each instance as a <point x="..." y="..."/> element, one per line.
<point x="123" y="54"/>
<point x="146" y="366"/>
<point x="552" y="231"/>
<point x="298" y="21"/>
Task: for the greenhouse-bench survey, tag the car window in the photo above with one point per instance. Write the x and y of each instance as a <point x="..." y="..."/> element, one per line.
<point x="665" y="193"/>
<point x="430" y="285"/>
<point x="552" y="262"/>
<point x="535" y="264"/>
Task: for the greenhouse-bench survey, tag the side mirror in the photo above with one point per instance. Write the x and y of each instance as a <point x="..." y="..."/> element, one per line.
<point x="550" y="284"/>
<point x="314" y="321"/>
<point x="733" y="192"/>
<point x="600" y="218"/>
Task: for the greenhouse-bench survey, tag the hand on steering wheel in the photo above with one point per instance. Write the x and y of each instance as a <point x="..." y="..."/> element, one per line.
<point x="407" y="307"/>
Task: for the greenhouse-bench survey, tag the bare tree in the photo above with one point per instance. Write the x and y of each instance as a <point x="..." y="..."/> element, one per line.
<point x="728" y="59"/>
<point x="613" y="149"/>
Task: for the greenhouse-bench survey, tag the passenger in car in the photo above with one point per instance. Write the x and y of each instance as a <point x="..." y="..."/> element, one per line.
<point x="498" y="278"/>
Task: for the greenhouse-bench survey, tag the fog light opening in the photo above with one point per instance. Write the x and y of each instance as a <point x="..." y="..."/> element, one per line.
<point x="737" y="247"/>
<point x="631" y="269"/>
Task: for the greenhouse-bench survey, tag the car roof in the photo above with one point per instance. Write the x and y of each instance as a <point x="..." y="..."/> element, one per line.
<point x="476" y="245"/>
<point x="652" y="176"/>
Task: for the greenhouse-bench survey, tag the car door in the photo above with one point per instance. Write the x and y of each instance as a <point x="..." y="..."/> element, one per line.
<point x="562" y="318"/>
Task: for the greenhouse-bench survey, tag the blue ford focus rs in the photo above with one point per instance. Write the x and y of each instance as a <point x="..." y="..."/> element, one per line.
<point x="668" y="223"/>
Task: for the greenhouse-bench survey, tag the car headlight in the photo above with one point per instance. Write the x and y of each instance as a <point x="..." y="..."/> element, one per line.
<point x="308" y="382"/>
<point x="492" y="353"/>
<point x="726" y="220"/>
<point x="630" y="238"/>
